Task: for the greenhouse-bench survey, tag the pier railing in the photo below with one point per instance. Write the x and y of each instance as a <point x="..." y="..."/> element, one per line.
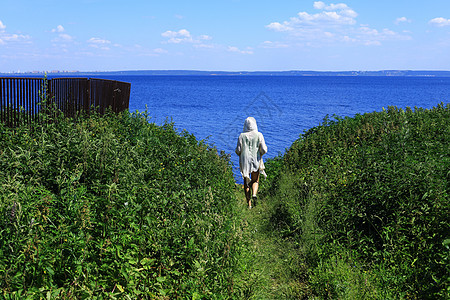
<point x="22" y="99"/>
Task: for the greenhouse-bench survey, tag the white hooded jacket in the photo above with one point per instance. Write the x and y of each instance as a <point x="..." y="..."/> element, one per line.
<point x="250" y="148"/>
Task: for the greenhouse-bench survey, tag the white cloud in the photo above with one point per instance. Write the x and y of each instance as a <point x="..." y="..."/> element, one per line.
<point x="160" y="51"/>
<point x="176" y="37"/>
<point x="330" y="15"/>
<point x="205" y="46"/>
<point x="279" y="27"/>
<point x="205" y="37"/>
<point x="372" y="43"/>
<point x="65" y="37"/>
<point x="99" y="43"/>
<point x="373" y="37"/>
<point x="348" y="39"/>
<point x="12" y="37"/>
<point x="184" y="36"/>
<point x="62" y="36"/>
<point x="440" y="22"/>
<point x="402" y="20"/>
<point x="272" y="45"/>
<point x="237" y="50"/>
<point x="334" y="23"/>
<point x="200" y="42"/>
<point x="341" y="7"/>
<point x="368" y="31"/>
<point x="387" y="32"/>
<point x="58" y="28"/>
<point x="319" y="5"/>
<point x="341" y="17"/>
<point x="6" y="37"/>
<point x="180" y="33"/>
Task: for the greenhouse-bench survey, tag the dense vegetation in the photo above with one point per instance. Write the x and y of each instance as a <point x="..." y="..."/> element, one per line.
<point x="117" y="207"/>
<point x="366" y="200"/>
<point x="108" y="206"/>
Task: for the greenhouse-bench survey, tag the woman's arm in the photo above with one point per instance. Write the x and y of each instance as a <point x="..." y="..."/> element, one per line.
<point x="239" y="146"/>
<point x="262" y="144"/>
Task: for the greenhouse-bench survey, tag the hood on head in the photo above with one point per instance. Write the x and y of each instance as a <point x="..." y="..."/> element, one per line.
<point x="250" y="124"/>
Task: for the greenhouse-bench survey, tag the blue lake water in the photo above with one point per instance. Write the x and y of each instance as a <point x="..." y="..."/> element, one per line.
<point x="215" y="107"/>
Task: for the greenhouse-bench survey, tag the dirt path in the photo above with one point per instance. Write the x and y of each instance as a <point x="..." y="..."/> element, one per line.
<point x="269" y="264"/>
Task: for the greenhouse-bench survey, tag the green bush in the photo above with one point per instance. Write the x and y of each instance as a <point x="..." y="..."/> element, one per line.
<point x="371" y="191"/>
<point x="113" y="205"/>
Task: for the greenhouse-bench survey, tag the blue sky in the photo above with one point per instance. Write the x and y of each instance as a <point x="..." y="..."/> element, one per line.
<point x="231" y="35"/>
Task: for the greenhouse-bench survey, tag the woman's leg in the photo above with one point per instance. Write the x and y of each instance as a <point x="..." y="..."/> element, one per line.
<point x="255" y="182"/>
<point x="248" y="195"/>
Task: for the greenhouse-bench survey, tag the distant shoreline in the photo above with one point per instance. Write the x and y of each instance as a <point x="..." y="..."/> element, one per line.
<point x="385" y="73"/>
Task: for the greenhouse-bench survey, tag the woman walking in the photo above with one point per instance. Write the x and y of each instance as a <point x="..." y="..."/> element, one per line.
<point x="250" y="148"/>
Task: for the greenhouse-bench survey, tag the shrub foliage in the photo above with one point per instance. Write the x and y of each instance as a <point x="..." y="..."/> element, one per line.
<point x="371" y="192"/>
<point x="113" y="205"/>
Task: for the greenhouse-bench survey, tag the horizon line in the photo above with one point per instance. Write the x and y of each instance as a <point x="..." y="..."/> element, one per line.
<point x="219" y="71"/>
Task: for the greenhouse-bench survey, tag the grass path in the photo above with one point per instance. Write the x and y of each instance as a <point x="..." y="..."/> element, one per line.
<point x="269" y="264"/>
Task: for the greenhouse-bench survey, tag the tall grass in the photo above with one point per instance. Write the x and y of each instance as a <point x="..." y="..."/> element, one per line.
<point x="114" y="206"/>
<point x="367" y="200"/>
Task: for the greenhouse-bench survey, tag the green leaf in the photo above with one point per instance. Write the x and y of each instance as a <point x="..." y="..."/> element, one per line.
<point x="446" y="243"/>
<point x="191" y="243"/>
<point x="50" y="271"/>
<point x="147" y="261"/>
